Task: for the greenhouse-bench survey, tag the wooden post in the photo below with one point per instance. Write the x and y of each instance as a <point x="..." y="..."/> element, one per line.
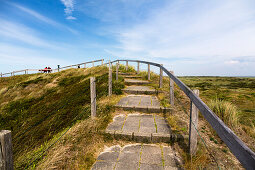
<point x="27" y="71"/>
<point x="171" y="84"/>
<point x="6" y="158"/>
<point x="102" y="62"/>
<point x="109" y="64"/>
<point x="84" y="65"/>
<point x="193" y="126"/>
<point x="138" y="69"/>
<point x="110" y="80"/>
<point x="126" y="65"/>
<point x="117" y="71"/>
<point x="161" y="77"/>
<point x="93" y="96"/>
<point x="149" y="72"/>
<point x="92" y="63"/>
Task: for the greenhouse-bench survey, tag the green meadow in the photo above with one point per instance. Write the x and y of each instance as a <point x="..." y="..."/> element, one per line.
<point x="239" y="91"/>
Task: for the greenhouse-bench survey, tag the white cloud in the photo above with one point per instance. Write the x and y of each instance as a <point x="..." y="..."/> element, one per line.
<point x="232" y="62"/>
<point x="222" y="29"/>
<point x="24" y="34"/>
<point x="207" y="33"/>
<point x="69" y="4"/>
<point x="71" y="18"/>
<point x="43" y="18"/>
<point x="14" y="57"/>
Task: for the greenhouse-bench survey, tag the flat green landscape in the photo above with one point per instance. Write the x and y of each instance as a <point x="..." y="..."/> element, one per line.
<point x="239" y="91"/>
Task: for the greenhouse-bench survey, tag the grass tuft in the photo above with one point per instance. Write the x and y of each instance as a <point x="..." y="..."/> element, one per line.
<point x="227" y="112"/>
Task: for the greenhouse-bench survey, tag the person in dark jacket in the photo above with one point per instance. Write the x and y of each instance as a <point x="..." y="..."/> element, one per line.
<point x="49" y="70"/>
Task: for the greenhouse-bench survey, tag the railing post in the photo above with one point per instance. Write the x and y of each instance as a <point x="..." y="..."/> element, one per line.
<point x="149" y="72"/>
<point x="171" y="84"/>
<point x="138" y="69"/>
<point x="110" y="80"/>
<point x="126" y="65"/>
<point x="193" y="126"/>
<point x="117" y="71"/>
<point x="6" y="158"/>
<point x="161" y="77"/>
<point x="93" y="96"/>
<point x="102" y="62"/>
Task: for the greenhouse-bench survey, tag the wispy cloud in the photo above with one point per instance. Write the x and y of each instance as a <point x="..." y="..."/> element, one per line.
<point x="69" y="8"/>
<point x="10" y="30"/>
<point x="209" y="33"/>
<point x="223" y="29"/>
<point x="17" y="58"/>
<point x="43" y="18"/>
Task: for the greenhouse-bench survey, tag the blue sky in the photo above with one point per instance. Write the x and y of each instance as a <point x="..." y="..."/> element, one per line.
<point x="198" y="37"/>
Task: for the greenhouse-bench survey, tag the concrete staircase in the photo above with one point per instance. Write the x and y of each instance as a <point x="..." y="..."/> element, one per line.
<point x="139" y="127"/>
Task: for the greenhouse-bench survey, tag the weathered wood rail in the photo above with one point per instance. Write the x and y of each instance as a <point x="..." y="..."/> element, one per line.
<point x="27" y="71"/>
<point x="241" y="151"/>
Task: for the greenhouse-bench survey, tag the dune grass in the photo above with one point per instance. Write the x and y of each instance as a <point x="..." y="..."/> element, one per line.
<point x="226" y="111"/>
<point x="238" y="91"/>
<point x="38" y="107"/>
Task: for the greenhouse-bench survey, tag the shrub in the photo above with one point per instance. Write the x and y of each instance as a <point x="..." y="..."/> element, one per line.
<point x="226" y="111"/>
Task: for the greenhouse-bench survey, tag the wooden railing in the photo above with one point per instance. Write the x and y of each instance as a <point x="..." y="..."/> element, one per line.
<point x="27" y="71"/>
<point x="241" y="151"/>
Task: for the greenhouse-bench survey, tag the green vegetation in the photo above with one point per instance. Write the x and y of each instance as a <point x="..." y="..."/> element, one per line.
<point x="39" y="107"/>
<point x="122" y="68"/>
<point x="226" y="111"/>
<point x="235" y="95"/>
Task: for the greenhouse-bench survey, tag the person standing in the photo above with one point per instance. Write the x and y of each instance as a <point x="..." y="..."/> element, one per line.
<point x="49" y="70"/>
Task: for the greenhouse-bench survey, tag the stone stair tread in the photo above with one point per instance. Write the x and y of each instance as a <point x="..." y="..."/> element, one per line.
<point x="137" y="156"/>
<point x="125" y="73"/>
<point x="131" y="76"/>
<point x="142" y="103"/>
<point x="136" y="82"/>
<point x="139" y="90"/>
<point x="140" y="127"/>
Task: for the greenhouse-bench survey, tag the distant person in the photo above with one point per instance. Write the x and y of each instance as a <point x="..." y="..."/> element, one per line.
<point x="49" y="70"/>
<point x="45" y="70"/>
<point x="79" y="66"/>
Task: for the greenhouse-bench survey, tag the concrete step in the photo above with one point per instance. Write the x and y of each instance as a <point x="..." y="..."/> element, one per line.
<point x="136" y="82"/>
<point x="139" y="90"/>
<point x="138" y="156"/>
<point x="132" y="76"/>
<point x="146" y="128"/>
<point x="125" y="74"/>
<point x="142" y="103"/>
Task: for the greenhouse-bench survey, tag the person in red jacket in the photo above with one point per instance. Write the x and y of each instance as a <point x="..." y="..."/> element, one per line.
<point x="45" y="70"/>
<point x="49" y="70"/>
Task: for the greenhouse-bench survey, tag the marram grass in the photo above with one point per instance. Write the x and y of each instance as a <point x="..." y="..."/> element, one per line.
<point x="226" y="111"/>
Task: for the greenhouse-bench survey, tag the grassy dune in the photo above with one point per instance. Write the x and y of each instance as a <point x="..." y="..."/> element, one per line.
<point x="38" y="108"/>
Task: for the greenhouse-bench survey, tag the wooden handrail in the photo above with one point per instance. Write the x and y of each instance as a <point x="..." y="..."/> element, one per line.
<point x="2" y="74"/>
<point x="241" y="151"/>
